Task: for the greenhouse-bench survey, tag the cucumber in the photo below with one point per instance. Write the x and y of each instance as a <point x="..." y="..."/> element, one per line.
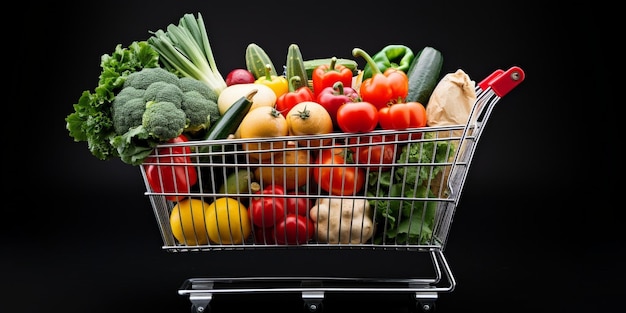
<point x="294" y="66"/>
<point x="228" y="123"/>
<point x="310" y="65"/>
<point x="256" y="61"/>
<point x="423" y="74"/>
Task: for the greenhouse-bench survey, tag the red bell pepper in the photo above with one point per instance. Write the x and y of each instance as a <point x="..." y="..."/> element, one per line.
<point x="382" y="89"/>
<point x="326" y="75"/>
<point x="333" y="97"/>
<point x="171" y="178"/>
<point x="285" y="102"/>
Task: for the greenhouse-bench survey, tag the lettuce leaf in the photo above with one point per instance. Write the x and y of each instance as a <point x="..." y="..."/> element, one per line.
<point x="408" y="221"/>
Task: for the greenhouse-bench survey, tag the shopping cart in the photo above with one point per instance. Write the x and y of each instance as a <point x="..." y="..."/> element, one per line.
<point x="406" y="206"/>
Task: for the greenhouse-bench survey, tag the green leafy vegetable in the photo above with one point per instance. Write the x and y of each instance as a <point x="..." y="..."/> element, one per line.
<point x="405" y="219"/>
<point x="91" y="120"/>
<point x="186" y="51"/>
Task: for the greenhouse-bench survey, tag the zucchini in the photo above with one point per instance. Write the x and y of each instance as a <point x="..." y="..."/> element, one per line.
<point x="256" y="61"/>
<point x="294" y="66"/>
<point x="424" y="75"/>
<point x="310" y="65"/>
<point x="228" y="123"/>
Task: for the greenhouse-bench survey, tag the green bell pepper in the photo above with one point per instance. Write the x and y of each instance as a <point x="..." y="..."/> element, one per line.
<point x="394" y="56"/>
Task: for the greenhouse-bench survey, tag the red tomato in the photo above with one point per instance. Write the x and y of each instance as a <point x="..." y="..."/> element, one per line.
<point x="401" y="116"/>
<point x="373" y="155"/>
<point x="294" y="229"/>
<point x="171" y="178"/>
<point x="265" y="211"/>
<point x="297" y="205"/>
<point x="357" y="117"/>
<point x="337" y="177"/>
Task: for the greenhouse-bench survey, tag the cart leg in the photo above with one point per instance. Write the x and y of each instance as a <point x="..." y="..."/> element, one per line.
<point x="425" y="301"/>
<point x="201" y="301"/>
<point x="313" y="299"/>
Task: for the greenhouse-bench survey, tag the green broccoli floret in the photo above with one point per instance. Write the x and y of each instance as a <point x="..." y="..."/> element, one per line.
<point x="163" y="120"/>
<point x="127" y="108"/>
<point x="162" y="91"/>
<point x="189" y="84"/>
<point x="127" y="114"/>
<point x="201" y="112"/>
<point x="126" y="94"/>
<point x="144" y="78"/>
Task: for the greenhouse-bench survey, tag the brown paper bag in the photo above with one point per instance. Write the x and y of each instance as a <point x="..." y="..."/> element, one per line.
<point x="451" y="100"/>
<point x="450" y="104"/>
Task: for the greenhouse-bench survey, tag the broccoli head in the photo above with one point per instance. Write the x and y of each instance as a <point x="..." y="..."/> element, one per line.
<point x="201" y="112"/>
<point x="164" y="120"/>
<point x="162" y="91"/>
<point x="146" y="99"/>
<point x="144" y="78"/>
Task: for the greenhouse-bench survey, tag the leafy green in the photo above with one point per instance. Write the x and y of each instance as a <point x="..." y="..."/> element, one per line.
<point x="135" y="145"/>
<point x="91" y="120"/>
<point x="407" y="220"/>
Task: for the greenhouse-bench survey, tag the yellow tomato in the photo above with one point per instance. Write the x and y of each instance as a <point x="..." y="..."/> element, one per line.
<point x="263" y="122"/>
<point x="289" y="175"/>
<point x="227" y="221"/>
<point x="309" y="118"/>
<point x="187" y="220"/>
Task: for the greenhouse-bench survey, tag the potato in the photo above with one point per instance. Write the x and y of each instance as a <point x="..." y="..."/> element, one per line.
<point x="264" y="96"/>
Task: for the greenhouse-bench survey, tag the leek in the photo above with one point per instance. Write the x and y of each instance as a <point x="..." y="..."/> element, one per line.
<point x="185" y="50"/>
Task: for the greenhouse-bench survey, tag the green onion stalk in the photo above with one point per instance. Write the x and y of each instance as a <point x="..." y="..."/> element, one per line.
<point x="185" y="50"/>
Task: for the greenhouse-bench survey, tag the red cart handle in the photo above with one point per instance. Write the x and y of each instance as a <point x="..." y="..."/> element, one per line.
<point x="501" y="82"/>
<point x="485" y="83"/>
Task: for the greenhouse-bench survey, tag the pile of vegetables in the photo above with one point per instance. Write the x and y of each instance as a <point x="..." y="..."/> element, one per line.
<point x="168" y="89"/>
<point x="183" y="51"/>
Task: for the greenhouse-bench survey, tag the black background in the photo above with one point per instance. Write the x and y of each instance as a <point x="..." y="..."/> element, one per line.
<point x="81" y="236"/>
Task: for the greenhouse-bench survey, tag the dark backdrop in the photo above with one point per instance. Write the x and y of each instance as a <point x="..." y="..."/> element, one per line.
<point x="82" y="236"/>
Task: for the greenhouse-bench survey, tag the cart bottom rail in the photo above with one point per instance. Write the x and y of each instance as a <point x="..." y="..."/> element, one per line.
<point x="313" y="289"/>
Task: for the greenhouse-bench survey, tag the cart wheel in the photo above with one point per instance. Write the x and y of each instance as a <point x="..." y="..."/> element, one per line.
<point x="426" y="306"/>
<point x="199" y="309"/>
<point x="317" y="307"/>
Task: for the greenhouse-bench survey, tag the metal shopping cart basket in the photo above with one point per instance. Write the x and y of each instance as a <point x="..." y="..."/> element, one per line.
<point x="403" y="207"/>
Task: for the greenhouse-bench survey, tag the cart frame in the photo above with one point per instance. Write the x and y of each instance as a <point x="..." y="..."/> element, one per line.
<point x="424" y="290"/>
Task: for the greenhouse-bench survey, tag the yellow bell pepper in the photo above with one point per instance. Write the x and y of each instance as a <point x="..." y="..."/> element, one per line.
<point x="277" y="83"/>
